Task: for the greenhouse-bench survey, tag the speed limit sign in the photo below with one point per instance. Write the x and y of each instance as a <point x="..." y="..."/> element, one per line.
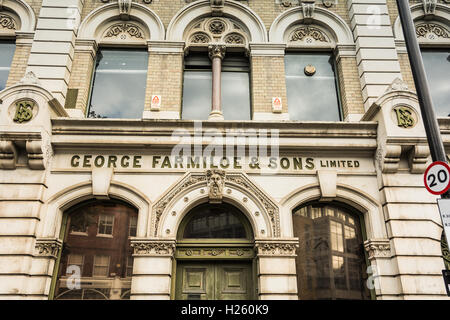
<point x="437" y="178"/>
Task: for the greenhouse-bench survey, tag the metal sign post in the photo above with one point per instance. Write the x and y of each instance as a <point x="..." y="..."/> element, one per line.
<point x="423" y="93"/>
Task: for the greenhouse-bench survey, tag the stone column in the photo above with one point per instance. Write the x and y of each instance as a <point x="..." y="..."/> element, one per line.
<point x="276" y="269"/>
<point x="152" y="268"/>
<point x="216" y="54"/>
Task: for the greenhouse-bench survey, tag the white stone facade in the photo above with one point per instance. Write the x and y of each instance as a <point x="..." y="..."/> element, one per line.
<point x="44" y="171"/>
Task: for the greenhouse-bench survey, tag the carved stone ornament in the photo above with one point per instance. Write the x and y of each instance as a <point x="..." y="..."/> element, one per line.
<point x="200" y="38"/>
<point x="431" y="31"/>
<point x="124" y="9"/>
<point x="310" y="70"/>
<point x="199" y="180"/>
<point x="30" y="78"/>
<point x="397" y="85"/>
<point x="123" y="31"/>
<point x="272" y="248"/>
<point x="216" y="183"/>
<point x="217" y="26"/>
<point x="24" y="111"/>
<point x="48" y="247"/>
<point x="216" y="51"/>
<point x="218" y="252"/>
<point x="429" y="6"/>
<point x="308" y="34"/>
<point x="378" y="248"/>
<point x="308" y="8"/>
<point x="217" y="7"/>
<point x="388" y="158"/>
<point x="328" y="3"/>
<point x="234" y="38"/>
<point x="7" y="22"/>
<point x="153" y="247"/>
<point x="8" y="155"/>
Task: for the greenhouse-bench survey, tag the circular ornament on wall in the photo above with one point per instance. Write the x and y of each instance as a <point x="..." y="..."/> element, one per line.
<point x="22" y="111"/>
<point x="217" y="26"/>
<point x="404" y="116"/>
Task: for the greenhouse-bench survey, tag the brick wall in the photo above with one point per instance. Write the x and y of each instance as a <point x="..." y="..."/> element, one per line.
<point x="83" y="66"/>
<point x="349" y="86"/>
<point x="19" y="64"/>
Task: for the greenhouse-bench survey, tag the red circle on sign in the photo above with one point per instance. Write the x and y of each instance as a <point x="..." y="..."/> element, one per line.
<point x="426" y="173"/>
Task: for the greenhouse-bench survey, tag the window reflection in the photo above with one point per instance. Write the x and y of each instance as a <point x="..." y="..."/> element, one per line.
<point x="312" y="97"/>
<point x="437" y="66"/>
<point x="215" y="221"/>
<point x="104" y="263"/>
<point x="118" y="89"/>
<point x="330" y="261"/>
<point x="6" y="55"/>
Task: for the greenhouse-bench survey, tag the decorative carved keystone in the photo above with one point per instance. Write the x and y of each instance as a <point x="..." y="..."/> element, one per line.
<point x="124" y="9"/>
<point x="308" y="7"/>
<point x="216" y="183"/>
<point x="217" y="7"/>
<point x="429" y="7"/>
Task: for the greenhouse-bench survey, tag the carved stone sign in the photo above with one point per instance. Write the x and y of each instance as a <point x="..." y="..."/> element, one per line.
<point x="405" y="116"/>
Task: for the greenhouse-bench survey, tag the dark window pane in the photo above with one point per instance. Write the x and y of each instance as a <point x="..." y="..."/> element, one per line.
<point x="330" y="262"/>
<point x="311" y="97"/>
<point x="437" y="66"/>
<point x="197" y="90"/>
<point x="6" y="55"/>
<point x="101" y="261"/>
<point x="118" y="90"/>
<point x="214" y="221"/>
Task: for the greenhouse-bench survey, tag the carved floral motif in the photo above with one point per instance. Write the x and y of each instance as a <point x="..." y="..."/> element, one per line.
<point x="276" y="248"/>
<point x="200" y="37"/>
<point x="121" y="28"/>
<point x="48" y="247"/>
<point x="378" y="248"/>
<point x="234" y="38"/>
<point x="7" y="22"/>
<point x="152" y="247"/>
<point x="431" y="31"/>
<point x="308" y="34"/>
<point x="217" y="27"/>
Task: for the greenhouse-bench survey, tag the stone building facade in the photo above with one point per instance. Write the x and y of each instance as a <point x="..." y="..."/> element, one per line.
<point x="253" y="201"/>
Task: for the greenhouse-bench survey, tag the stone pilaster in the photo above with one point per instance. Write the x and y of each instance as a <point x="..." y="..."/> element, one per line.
<point x="376" y="54"/>
<point x="276" y="269"/>
<point x="152" y="268"/>
<point x="53" y="46"/>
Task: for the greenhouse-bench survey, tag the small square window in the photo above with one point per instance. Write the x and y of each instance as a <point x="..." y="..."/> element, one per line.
<point x="76" y="260"/>
<point x="101" y="266"/>
<point x="105" y="224"/>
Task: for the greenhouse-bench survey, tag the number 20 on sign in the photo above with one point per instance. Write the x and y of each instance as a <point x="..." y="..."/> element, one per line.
<point x="437" y="178"/>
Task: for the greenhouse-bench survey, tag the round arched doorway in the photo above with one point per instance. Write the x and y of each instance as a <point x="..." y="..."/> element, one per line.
<point x="214" y="256"/>
<point x="96" y="260"/>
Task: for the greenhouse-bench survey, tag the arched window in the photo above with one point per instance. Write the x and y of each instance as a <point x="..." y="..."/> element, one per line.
<point x="96" y="260"/>
<point x="331" y="262"/>
<point x="7" y="49"/>
<point x="215" y="222"/>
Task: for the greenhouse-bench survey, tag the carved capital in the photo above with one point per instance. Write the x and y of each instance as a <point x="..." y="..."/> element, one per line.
<point x="276" y="247"/>
<point x="378" y="248"/>
<point x="216" y="51"/>
<point x="48" y="247"/>
<point x="153" y="247"/>
<point x="216" y="183"/>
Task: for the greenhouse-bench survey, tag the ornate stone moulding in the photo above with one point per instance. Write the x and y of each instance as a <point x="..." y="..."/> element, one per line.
<point x="215" y="194"/>
<point x="307" y="34"/>
<point x="276" y="247"/>
<point x="48" y="247"/>
<point x="432" y="31"/>
<point x="378" y="248"/>
<point x="7" y="22"/>
<point x="153" y="247"/>
<point x="124" y="31"/>
<point x="217" y="30"/>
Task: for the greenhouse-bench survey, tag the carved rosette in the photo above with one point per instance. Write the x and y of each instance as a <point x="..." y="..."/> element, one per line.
<point x="124" y="31"/>
<point x="7" y="22"/>
<point x="431" y="31"/>
<point x="147" y="247"/>
<point x="48" y="247"/>
<point x="216" y="184"/>
<point x="308" y="34"/>
<point x="217" y="27"/>
<point x="378" y="248"/>
<point x="276" y="248"/>
<point x="216" y="51"/>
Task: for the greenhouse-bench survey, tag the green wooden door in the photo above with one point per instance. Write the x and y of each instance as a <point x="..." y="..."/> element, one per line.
<point x="221" y="280"/>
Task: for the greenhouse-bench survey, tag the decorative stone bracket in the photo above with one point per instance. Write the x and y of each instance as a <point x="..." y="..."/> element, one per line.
<point x="153" y="247"/>
<point x="378" y="248"/>
<point x="277" y="247"/>
<point x="36" y="150"/>
<point x="48" y="247"/>
<point x="429" y="7"/>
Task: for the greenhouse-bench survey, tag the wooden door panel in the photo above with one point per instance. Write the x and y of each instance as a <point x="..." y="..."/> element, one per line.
<point x="195" y="282"/>
<point x="233" y="281"/>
